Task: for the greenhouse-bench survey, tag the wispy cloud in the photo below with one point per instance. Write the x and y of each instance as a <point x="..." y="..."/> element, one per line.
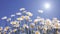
<point x="5" y="17"/>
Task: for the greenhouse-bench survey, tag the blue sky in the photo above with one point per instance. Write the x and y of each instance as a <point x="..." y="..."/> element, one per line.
<point x="8" y="7"/>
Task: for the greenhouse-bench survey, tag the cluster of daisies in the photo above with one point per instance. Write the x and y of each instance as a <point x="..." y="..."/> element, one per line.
<point x="23" y="24"/>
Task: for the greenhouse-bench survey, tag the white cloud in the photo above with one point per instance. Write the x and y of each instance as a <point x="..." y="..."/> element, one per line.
<point x="5" y="17"/>
<point x="40" y="11"/>
<point x="18" y="13"/>
<point x="12" y="15"/>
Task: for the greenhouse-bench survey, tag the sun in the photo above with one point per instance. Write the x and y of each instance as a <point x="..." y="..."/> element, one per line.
<point x="47" y="5"/>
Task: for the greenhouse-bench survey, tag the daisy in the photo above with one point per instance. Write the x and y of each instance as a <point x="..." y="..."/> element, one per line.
<point x="25" y="25"/>
<point x="8" y="19"/>
<point x="14" y="30"/>
<point x="32" y="25"/>
<point x="27" y="17"/>
<point x="16" y="25"/>
<point x="23" y="17"/>
<point x="13" y="22"/>
<point x="37" y="32"/>
<point x="36" y="21"/>
<point x="48" y="22"/>
<point x="1" y="28"/>
<point x="6" y="28"/>
<point x="29" y="13"/>
<point x="19" y="19"/>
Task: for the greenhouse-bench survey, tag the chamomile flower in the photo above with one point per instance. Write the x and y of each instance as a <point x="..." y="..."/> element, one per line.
<point x="29" y="13"/>
<point x="37" y="32"/>
<point x="19" y="19"/>
<point x="24" y="25"/>
<point x="13" y="22"/>
<point x="57" y="25"/>
<point x="36" y="21"/>
<point x="16" y="25"/>
<point x="44" y="30"/>
<point x="6" y="28"/>
<point x="8" y="19"/>
<point x="14" y="30"/>
<point x="1" y="28"/>
<point x="27" y="17"/>
<point x="55" y="20"/>
<point x="22" y="16"/>
<point x="38" y="27"/>
<point x="42" y="20"/>
<point x="48" y="22"/>
<point x="32" y="25"/>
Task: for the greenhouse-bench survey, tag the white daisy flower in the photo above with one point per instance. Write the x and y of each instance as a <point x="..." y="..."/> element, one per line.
<point x="4" y="32"/>
<point x="42" y="21"/>
<point x="24" y="25"/>
<point x="37" y="32"/>
<point x="57" y="25"/>
<point x="6" y="28"/>
<point x="32" y="25"/>
<point x="29" y="13"/>
<point x="23" y="17"/>
<point x="55" y="20"/>
<point x="9" y="19"/>
<point x="27" y="17"/>
<point x="14" y="30"/>
<point x="44" y="29"/>
<point x="13" y="22"/>
<point x="36" y="20"/>
<point x="16" y="25"/>
<point x="48" y="22"/>
<point x="19" y="19"/>
<point x="1" y="28"/>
